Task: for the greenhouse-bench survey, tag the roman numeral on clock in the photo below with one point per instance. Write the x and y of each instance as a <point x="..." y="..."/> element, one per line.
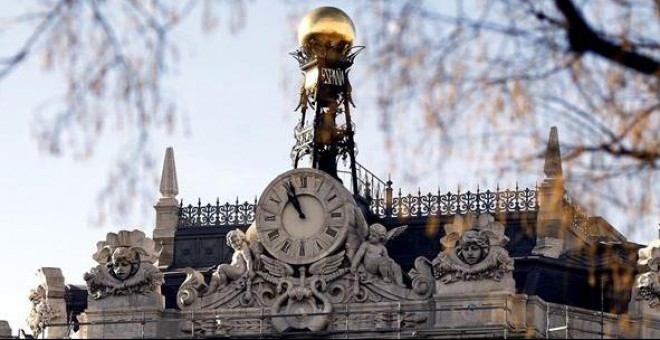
<point x="273" y="234"/>
<point x="286" y="247"/>
<point x="330" y="231"/>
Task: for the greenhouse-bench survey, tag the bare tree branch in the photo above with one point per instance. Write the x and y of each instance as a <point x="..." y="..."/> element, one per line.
<point x="583" y="38"/>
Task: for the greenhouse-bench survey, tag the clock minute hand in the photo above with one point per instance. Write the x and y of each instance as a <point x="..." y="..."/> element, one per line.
<point x="291" y="193"/>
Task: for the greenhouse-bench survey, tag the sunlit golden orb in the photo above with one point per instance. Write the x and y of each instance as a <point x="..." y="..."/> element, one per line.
<point x="328" y="26"/>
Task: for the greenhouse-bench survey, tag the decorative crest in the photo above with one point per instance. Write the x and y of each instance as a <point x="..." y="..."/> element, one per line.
<point x="126" y="266"/>
<point x="473" y="251"/>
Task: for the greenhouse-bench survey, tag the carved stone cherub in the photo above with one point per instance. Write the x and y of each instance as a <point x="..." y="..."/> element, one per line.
<point x="124" y="263"/>
<point x="472" y="247"/>
<point x="374" y="256"/>
<point x="473" y="251"/>
<point x="241" y="266"/>
<point x="126" y="266"/>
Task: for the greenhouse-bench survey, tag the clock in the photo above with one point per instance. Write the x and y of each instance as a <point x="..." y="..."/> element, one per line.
<point x="303" y="215"/>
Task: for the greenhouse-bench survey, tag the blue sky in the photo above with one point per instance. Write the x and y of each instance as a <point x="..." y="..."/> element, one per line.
<point x="241" y="121"/>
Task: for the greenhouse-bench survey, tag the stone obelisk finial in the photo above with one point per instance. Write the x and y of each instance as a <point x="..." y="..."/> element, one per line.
<point x="552" y="167"/>
<point x="169" y="187"/>
<point x="552" y="221"/>
<point x="167" y="210"/>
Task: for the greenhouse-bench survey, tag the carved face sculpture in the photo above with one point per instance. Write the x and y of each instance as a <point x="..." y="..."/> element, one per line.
<point x="377" y="233"/>
<point x="472" y="247"/>
<point x="235" y="239"/>
<point x="124" y="263"/>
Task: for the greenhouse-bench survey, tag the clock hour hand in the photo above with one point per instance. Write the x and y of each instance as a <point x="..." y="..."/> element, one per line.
<point x="291" y="193"/>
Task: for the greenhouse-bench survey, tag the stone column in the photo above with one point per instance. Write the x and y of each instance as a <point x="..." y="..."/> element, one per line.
<point x="5" y="330"/>
<point x="553" y="220"/>
<point x="47" y="318"/>
<point x="167" y="211"/>
<point x="124" y="317"/>
<point x="124" y="299"/>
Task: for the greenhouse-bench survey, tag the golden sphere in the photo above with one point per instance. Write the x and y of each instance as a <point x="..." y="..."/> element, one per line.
<point x="328" y="26"/>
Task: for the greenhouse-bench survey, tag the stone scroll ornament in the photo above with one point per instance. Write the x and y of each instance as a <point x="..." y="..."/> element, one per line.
<point x="304" y="295"/>
<point x="647" y="284"/>
<point x="473" y="250"/>
<point x="126" y="266"/>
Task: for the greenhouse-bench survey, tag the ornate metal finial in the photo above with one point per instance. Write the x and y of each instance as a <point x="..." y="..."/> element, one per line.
<point x="325" y="56"/>
<point x="169" y="186"/>
<point x="552" y="167"/>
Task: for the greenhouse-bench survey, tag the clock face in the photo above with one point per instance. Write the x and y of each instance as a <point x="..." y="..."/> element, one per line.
<point x="302" y="216"/>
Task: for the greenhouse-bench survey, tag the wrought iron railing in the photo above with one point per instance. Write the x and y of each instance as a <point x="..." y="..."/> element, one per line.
<point x="459" y="203"/>
<point x="217" y="215"/>
<point x="368" y="183"/>
<point x="438" y="204"/>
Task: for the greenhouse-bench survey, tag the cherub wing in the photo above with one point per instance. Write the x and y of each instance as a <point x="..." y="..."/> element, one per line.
<point x="276" y="268"/>
<point x="395" y="232"/>
<point x="327" y="265"/>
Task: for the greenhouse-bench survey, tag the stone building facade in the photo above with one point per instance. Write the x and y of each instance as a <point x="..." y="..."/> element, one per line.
<point x="508" y="266"/>
<point x="315" y="257"/>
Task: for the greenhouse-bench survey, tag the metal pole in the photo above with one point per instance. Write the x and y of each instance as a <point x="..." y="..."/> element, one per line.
<point x="351" y="144"/>
<point x="547" y="320"/>
<point x="398" y="318"/>
<point x="347" y="316"/>
<point x="261" y="324"/>
<point x="567" y="318"/>
<point x="506" y="316"/>
<point x="602" y="306"/>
